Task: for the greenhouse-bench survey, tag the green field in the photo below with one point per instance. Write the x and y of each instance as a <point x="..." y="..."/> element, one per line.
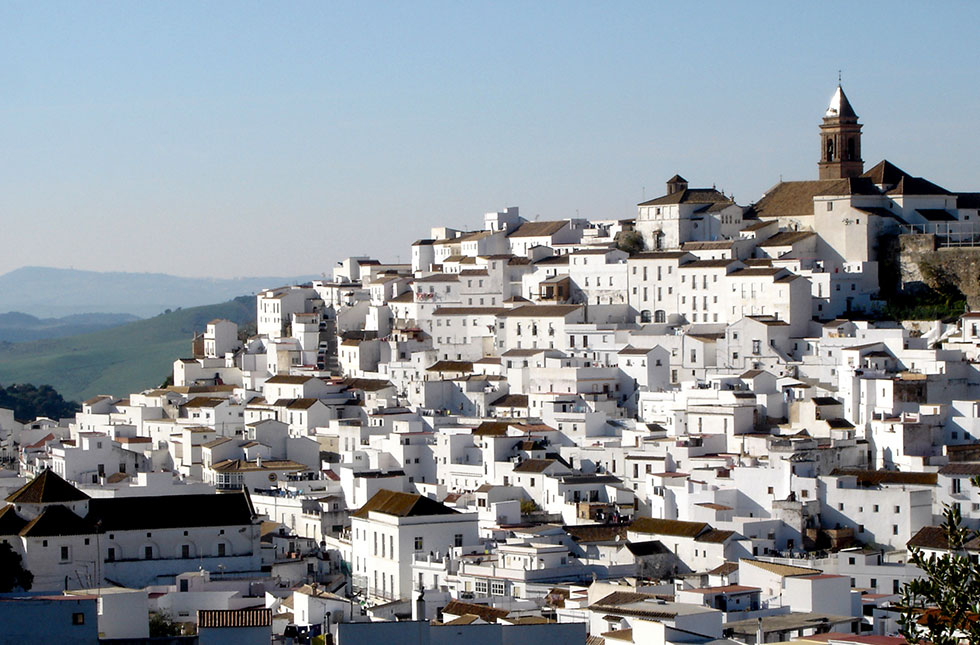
<point x="118" y="361"/>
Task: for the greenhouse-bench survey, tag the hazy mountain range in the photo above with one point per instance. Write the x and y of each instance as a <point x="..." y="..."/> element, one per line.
<point x="55" y="293"/>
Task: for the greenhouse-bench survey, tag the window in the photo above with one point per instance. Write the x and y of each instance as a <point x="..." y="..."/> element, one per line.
<point x="185" y="551"/>
<point x="183" y="584"/>
<point x="147" y="552"/>
<point x="110" y="555"/>
<point x="64" y="554"/>
<point x="458" y="539"/>
<point x="480" y="586"/>
<point x="221" y="549"/>
<point x="78" y="618"/>
<point x="418" y="543"/>
<point x="497" y="587"/>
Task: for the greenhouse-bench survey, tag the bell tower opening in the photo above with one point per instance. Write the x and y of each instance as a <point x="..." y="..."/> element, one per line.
<point x="840" y="137"/>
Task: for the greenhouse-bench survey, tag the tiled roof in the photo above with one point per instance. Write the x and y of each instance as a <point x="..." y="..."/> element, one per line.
<point x="878" y="477"/>
<point x="242" y="465"/>
<point x="451" y="366"/>
<point x="968" y="469"/>
<point x="534" y="466"/>
<point x="511" y="401"/>
<point x="690" y="196"/>
<point x="934" y="537"/>
<point x="57" y="520"/>
<point x="676" y="528"/>
<point x="10" y="522"/>
<point x="46" y="488"/>
<point x="541" y="311"/>
<point x="784" y="570"/>
<point x="714" y="536"/>
<point x="170" y="511"/>
<point x="367" y="384"/>
<point x="795" y="198"/>
<point x="785" y="238"/>
<point x="399" y="504"/>
<point x="288" y="379"/>
<point x="538" y="229"/>
<point x="485" y="612"/>
<point x="597" y="532"/>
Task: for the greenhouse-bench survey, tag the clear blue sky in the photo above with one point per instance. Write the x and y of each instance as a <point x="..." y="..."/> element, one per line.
<point x="273" y="138"/>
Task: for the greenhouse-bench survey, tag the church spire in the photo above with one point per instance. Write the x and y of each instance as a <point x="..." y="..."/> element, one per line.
<point x="840" y="140"/>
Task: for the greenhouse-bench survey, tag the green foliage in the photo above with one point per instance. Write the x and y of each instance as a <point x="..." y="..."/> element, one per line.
<point x="629" y="241"/>
<point x="943" y="607"/>
<point x="162" y="625"/>
<point x="13" y="575"/>
<point x="528" y="506"/>
<point x="117" y="361"/>
<point x="931" y="305"/>
<point x="29" y="402"/>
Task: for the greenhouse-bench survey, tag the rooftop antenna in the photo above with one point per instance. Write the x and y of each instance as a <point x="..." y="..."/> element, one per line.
<point x="644" y="193"/>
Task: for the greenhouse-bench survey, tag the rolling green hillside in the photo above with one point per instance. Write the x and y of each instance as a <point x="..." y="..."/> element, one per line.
<point x="118" y="361"/>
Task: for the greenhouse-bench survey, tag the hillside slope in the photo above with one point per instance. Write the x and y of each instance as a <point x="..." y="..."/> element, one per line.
<point x="118" y="361"/>
<point x="17" y="327"/>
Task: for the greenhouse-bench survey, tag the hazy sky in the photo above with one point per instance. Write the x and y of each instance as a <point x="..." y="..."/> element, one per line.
<point x="273" y="138"/>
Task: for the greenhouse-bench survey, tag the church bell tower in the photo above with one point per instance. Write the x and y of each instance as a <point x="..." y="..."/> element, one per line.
<point x="840" y="140"/>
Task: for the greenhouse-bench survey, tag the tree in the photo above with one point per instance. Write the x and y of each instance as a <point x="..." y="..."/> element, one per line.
<point x="943" y="607"/>
<point x="629" y="241"/>
<point x="29" y="402"/>
<point x="528" y="506"/>
<point x="162" y="625"/>
<point x="13" y="575"/>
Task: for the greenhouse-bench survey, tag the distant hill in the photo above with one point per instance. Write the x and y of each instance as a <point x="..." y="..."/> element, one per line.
<point x="120" y="360"/>
<point x="17" y="327"/>
<point x="49" y="292"/>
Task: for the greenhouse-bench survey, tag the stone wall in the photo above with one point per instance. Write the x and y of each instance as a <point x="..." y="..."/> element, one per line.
<point x="921" y="264"/>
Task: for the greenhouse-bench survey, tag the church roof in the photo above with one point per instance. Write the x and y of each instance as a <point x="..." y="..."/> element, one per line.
<point x="839" y="106"/>
<point x="795" y="198"/>
<point x="46" y="488"/>
<point x="170" y="511"/>
<point x="10" y="522"/>
<point x="676" y="179"/>
<point x="898" y="182"/>
<point x="57" y="520"/>
<point x="690" y="196"/>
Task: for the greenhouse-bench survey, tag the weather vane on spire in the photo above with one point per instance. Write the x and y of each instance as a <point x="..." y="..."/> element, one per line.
<point x="838" y="77"/>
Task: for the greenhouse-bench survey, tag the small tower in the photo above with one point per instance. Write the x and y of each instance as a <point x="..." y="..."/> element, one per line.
<point x="840" y="140"/>
<point x="676" y="184"/>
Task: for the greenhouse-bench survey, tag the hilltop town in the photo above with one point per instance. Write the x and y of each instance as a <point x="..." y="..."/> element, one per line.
<point x="693" y="423"/>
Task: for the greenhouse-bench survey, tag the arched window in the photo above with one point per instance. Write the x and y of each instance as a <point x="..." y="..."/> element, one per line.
<point x="645" y="316"/>
<point x="830" y="149"/>
<point x="660" y="316"/>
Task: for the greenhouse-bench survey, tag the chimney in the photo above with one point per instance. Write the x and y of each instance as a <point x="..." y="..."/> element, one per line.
<point x="418" y="608"/>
